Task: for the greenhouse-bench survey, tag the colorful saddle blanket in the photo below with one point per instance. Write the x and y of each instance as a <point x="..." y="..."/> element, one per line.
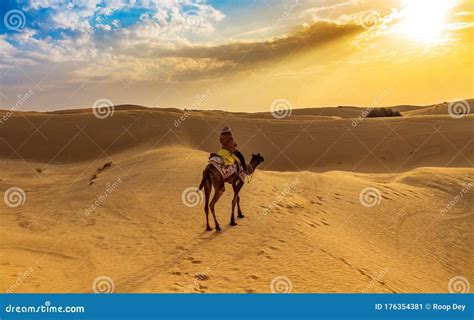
<point x="218" y="162"/>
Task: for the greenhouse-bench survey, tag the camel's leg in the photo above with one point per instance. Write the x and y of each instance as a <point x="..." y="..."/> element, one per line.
<point x="236" y="187"/>
<point x="218" y="193"/>
<point x="207" y="193"/>
<point x="232" y="218"/>
<point x="239" y="212"/>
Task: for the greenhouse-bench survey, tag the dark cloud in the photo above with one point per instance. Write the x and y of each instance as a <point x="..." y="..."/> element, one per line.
<point x="309" y="37"/>
<point x="241" y="55"/>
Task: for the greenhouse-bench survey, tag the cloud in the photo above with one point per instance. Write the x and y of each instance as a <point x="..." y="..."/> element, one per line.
<point x="140" y="60"/>
<point x="8" y="54"/>
<point x="244" y="55"/>
<point x="58" y="24"/>
<point x="306" y="38"/>
<point x="160" y="44"/>
<point x="187" y="62"/>
<point x="172" y="17"/>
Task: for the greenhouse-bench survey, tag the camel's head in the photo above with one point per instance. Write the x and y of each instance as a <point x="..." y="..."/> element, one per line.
<point x="256" y="160"/>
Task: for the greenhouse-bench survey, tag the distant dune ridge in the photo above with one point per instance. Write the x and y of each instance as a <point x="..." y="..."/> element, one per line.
<point x="342" y="203"/>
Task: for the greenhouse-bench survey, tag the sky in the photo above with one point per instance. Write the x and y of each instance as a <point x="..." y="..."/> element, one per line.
<point x="234" y="55"/>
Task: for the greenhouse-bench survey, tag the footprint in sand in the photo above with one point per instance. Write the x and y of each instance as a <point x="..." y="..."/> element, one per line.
<point x="264" y="254"/>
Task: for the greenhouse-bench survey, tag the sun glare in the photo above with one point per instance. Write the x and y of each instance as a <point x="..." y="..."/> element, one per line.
<point x="424" y="20"/>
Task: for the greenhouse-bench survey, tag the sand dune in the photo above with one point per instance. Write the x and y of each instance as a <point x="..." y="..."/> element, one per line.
<point x="304" y="220"/>
<point x="467" y="106"/>
<point x="293" y="144"/>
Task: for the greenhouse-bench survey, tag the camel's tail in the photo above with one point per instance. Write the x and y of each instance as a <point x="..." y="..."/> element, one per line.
<point x="205" y="175"/>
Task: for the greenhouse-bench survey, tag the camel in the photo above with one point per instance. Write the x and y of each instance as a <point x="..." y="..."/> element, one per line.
<point x="212" y="177"/>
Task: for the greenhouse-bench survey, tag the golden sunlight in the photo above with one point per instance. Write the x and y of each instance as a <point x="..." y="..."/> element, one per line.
<point x="424" y="20"/>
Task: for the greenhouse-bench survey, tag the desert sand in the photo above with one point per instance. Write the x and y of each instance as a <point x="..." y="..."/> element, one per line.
<point x="304" y="220"/>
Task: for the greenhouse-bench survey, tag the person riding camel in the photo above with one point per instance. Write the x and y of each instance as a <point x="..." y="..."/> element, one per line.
<point x="229" y="151"/>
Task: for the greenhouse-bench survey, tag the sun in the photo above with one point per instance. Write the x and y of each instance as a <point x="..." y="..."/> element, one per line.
<point x="424" y="20"/>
